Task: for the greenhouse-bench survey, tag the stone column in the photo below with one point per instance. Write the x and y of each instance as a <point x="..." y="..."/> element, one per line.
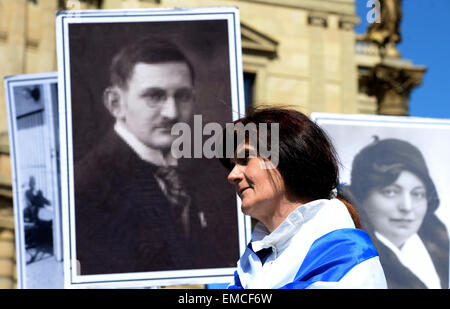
<point x="317" y="24"/>
<point x="349" y="73"/>
<point x="44" y="16"/>
<point x="391" y="82"/>
<point x="12" y="47"/>
<point x="13" y="16"/>
<point x="7" y="259"/>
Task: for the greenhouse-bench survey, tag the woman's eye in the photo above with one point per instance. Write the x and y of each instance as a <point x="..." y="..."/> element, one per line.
<point x="390" y="192"/>
<point x="419" y="194"/>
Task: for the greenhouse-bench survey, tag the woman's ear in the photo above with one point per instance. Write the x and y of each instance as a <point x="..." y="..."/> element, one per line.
<point x="113" y="100"/>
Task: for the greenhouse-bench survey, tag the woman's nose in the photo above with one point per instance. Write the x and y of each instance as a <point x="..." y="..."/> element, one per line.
<point x="405" y="204"/>
<point x="235" y="175"/>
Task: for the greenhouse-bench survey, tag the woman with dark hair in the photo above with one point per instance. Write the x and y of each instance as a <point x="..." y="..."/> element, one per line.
<point x="397" y="200"/>
<point x="305" y="237"/>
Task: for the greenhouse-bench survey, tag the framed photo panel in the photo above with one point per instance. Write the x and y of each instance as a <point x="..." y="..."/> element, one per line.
<point x="395" y="171"/>
<point x="135" y="214"/>
<point x="32" y="104"/>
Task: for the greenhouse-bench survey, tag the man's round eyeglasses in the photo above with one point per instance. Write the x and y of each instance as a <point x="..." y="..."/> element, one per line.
<point x="156" y="97"/>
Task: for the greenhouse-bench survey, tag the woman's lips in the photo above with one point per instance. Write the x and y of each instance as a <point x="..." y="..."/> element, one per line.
<point x="401" y="222"/>
<point x="242" y="190"/>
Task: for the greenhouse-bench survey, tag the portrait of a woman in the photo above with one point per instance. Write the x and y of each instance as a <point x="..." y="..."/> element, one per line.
<point x="396" y="199"/>
<point x="306" y="236"/>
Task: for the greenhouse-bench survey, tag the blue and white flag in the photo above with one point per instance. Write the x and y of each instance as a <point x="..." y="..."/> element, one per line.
<point x="317" y="246"/>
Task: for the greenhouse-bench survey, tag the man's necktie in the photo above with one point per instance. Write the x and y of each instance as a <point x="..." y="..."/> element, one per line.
<point x="178" y="198"/>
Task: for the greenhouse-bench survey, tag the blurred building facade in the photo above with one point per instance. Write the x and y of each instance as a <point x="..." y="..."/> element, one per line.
<point x="302" y="53"/>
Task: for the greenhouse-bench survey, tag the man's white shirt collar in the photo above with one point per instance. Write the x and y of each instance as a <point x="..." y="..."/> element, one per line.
<point x="153" y="156"/>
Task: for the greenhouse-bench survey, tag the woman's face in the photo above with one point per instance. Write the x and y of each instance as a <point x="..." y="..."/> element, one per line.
<point x="260" y="188"/>
<point x="397" y="210"/>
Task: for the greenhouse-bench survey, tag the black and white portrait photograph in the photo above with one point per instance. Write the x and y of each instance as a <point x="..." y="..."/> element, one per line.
<point x="395" y="171"/>
<point x="34" y="141"/>
<point x="136" y="215"/>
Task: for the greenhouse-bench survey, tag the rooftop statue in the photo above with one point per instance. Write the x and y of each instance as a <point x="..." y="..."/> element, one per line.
<point x="386" y="31"/>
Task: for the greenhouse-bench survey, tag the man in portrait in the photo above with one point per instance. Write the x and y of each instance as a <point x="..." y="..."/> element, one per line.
<point x="133" y="211"/>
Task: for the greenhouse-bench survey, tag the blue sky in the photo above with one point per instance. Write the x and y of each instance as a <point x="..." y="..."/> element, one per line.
<point x="425" y="41"/>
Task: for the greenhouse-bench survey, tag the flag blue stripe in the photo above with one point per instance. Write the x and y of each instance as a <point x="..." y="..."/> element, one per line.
<point x="329" y="258"/>
<point x="237" y="282"/>
<point x="332" y="256"/>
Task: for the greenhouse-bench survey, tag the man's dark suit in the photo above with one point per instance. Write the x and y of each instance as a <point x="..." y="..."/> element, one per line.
<point x="123" y="220"/>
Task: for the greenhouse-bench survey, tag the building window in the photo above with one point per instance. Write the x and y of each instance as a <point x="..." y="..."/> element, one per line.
<point x="249" y="81"/>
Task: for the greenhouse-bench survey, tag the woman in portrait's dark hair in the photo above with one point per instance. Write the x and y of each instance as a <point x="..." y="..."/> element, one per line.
<point x="396" y="200"/>
<point x="305" y="236"/>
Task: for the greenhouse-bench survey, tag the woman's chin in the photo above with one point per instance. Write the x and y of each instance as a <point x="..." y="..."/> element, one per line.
<point x="245" y="208"/>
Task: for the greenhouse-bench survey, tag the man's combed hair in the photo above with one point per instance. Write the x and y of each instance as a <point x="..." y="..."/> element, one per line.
<point x="148" y="50"/>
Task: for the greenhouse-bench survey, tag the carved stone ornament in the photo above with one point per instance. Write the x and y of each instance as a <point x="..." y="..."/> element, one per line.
<point x="392" y="82"/>
<point x="348" y="22"/>
<point x="318" y="19"/>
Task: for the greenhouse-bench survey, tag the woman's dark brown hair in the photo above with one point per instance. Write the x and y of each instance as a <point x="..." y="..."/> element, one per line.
<point x="307" y="160"/>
